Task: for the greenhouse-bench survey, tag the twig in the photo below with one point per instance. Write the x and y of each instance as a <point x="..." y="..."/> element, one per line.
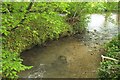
<point x="109" y="58"/>
<point x="25" y="16"/>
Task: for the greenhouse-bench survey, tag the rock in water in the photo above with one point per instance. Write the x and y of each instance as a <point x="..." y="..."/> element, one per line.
<point x="62" y="59"/>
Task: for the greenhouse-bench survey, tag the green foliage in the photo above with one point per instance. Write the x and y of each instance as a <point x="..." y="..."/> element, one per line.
<point x="113" y="48"/>
<point x="11" y="64"/>
<point x="77" y="16"/>
<point x="100" y="7"/>
<point x="0" y="64"/>
<point x="111" y="6"/>
<point x="111" y="69"/>
<point x="96" y="7"/>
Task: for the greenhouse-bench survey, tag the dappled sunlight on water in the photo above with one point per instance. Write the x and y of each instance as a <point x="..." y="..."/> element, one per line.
<point x="99" y="22"/>
<point x="96" y="21"/>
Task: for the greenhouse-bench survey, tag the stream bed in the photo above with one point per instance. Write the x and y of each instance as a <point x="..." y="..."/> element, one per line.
<point x="78" y="56"/>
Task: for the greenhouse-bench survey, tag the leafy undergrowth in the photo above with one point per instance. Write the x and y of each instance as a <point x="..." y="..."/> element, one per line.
<point x="12" y="64"/>
<point x="110" y="70"/>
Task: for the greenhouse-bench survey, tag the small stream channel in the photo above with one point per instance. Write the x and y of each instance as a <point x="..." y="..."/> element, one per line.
<point x="77" y="56"/>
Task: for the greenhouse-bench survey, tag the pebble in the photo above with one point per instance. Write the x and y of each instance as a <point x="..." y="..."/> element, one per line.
<point x="88" y="31"/>
<point x="62" y="57"/>
<point x="85" y="44"/>
<point x="90" y="38"/>
<point x="91" y="53"/>
<point x="81" y="44"/>
<point x="94" y="47"/>
<point x="90" y="50"/>
<point x="93" y="33"/>
<point x="97" y="43"/>
<point x="96" y="38"/>
<point x="95" y="30"/>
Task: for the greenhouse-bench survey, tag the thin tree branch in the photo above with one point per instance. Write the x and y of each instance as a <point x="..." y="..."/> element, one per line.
<point x="109" y="58"/>
<point x="25" y="16"/>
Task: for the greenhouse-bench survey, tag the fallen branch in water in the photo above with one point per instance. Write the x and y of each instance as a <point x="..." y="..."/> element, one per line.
<point x="109" y="58"/>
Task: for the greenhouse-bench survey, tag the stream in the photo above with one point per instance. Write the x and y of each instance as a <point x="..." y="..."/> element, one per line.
<point x="78" y="56"/>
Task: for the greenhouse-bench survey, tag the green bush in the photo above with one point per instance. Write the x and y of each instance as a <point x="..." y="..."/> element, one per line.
<point x="110" y="70"/>
<point x="11" y="64"/>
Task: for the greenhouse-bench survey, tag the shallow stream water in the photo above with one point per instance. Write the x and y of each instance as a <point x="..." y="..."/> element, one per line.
<point x="77" y="56"/>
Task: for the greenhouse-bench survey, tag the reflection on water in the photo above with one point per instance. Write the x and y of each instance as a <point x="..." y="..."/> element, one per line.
<point x="72" y="57"/>
<point x="96" y="21"/>
<point x="100" y="23"/>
